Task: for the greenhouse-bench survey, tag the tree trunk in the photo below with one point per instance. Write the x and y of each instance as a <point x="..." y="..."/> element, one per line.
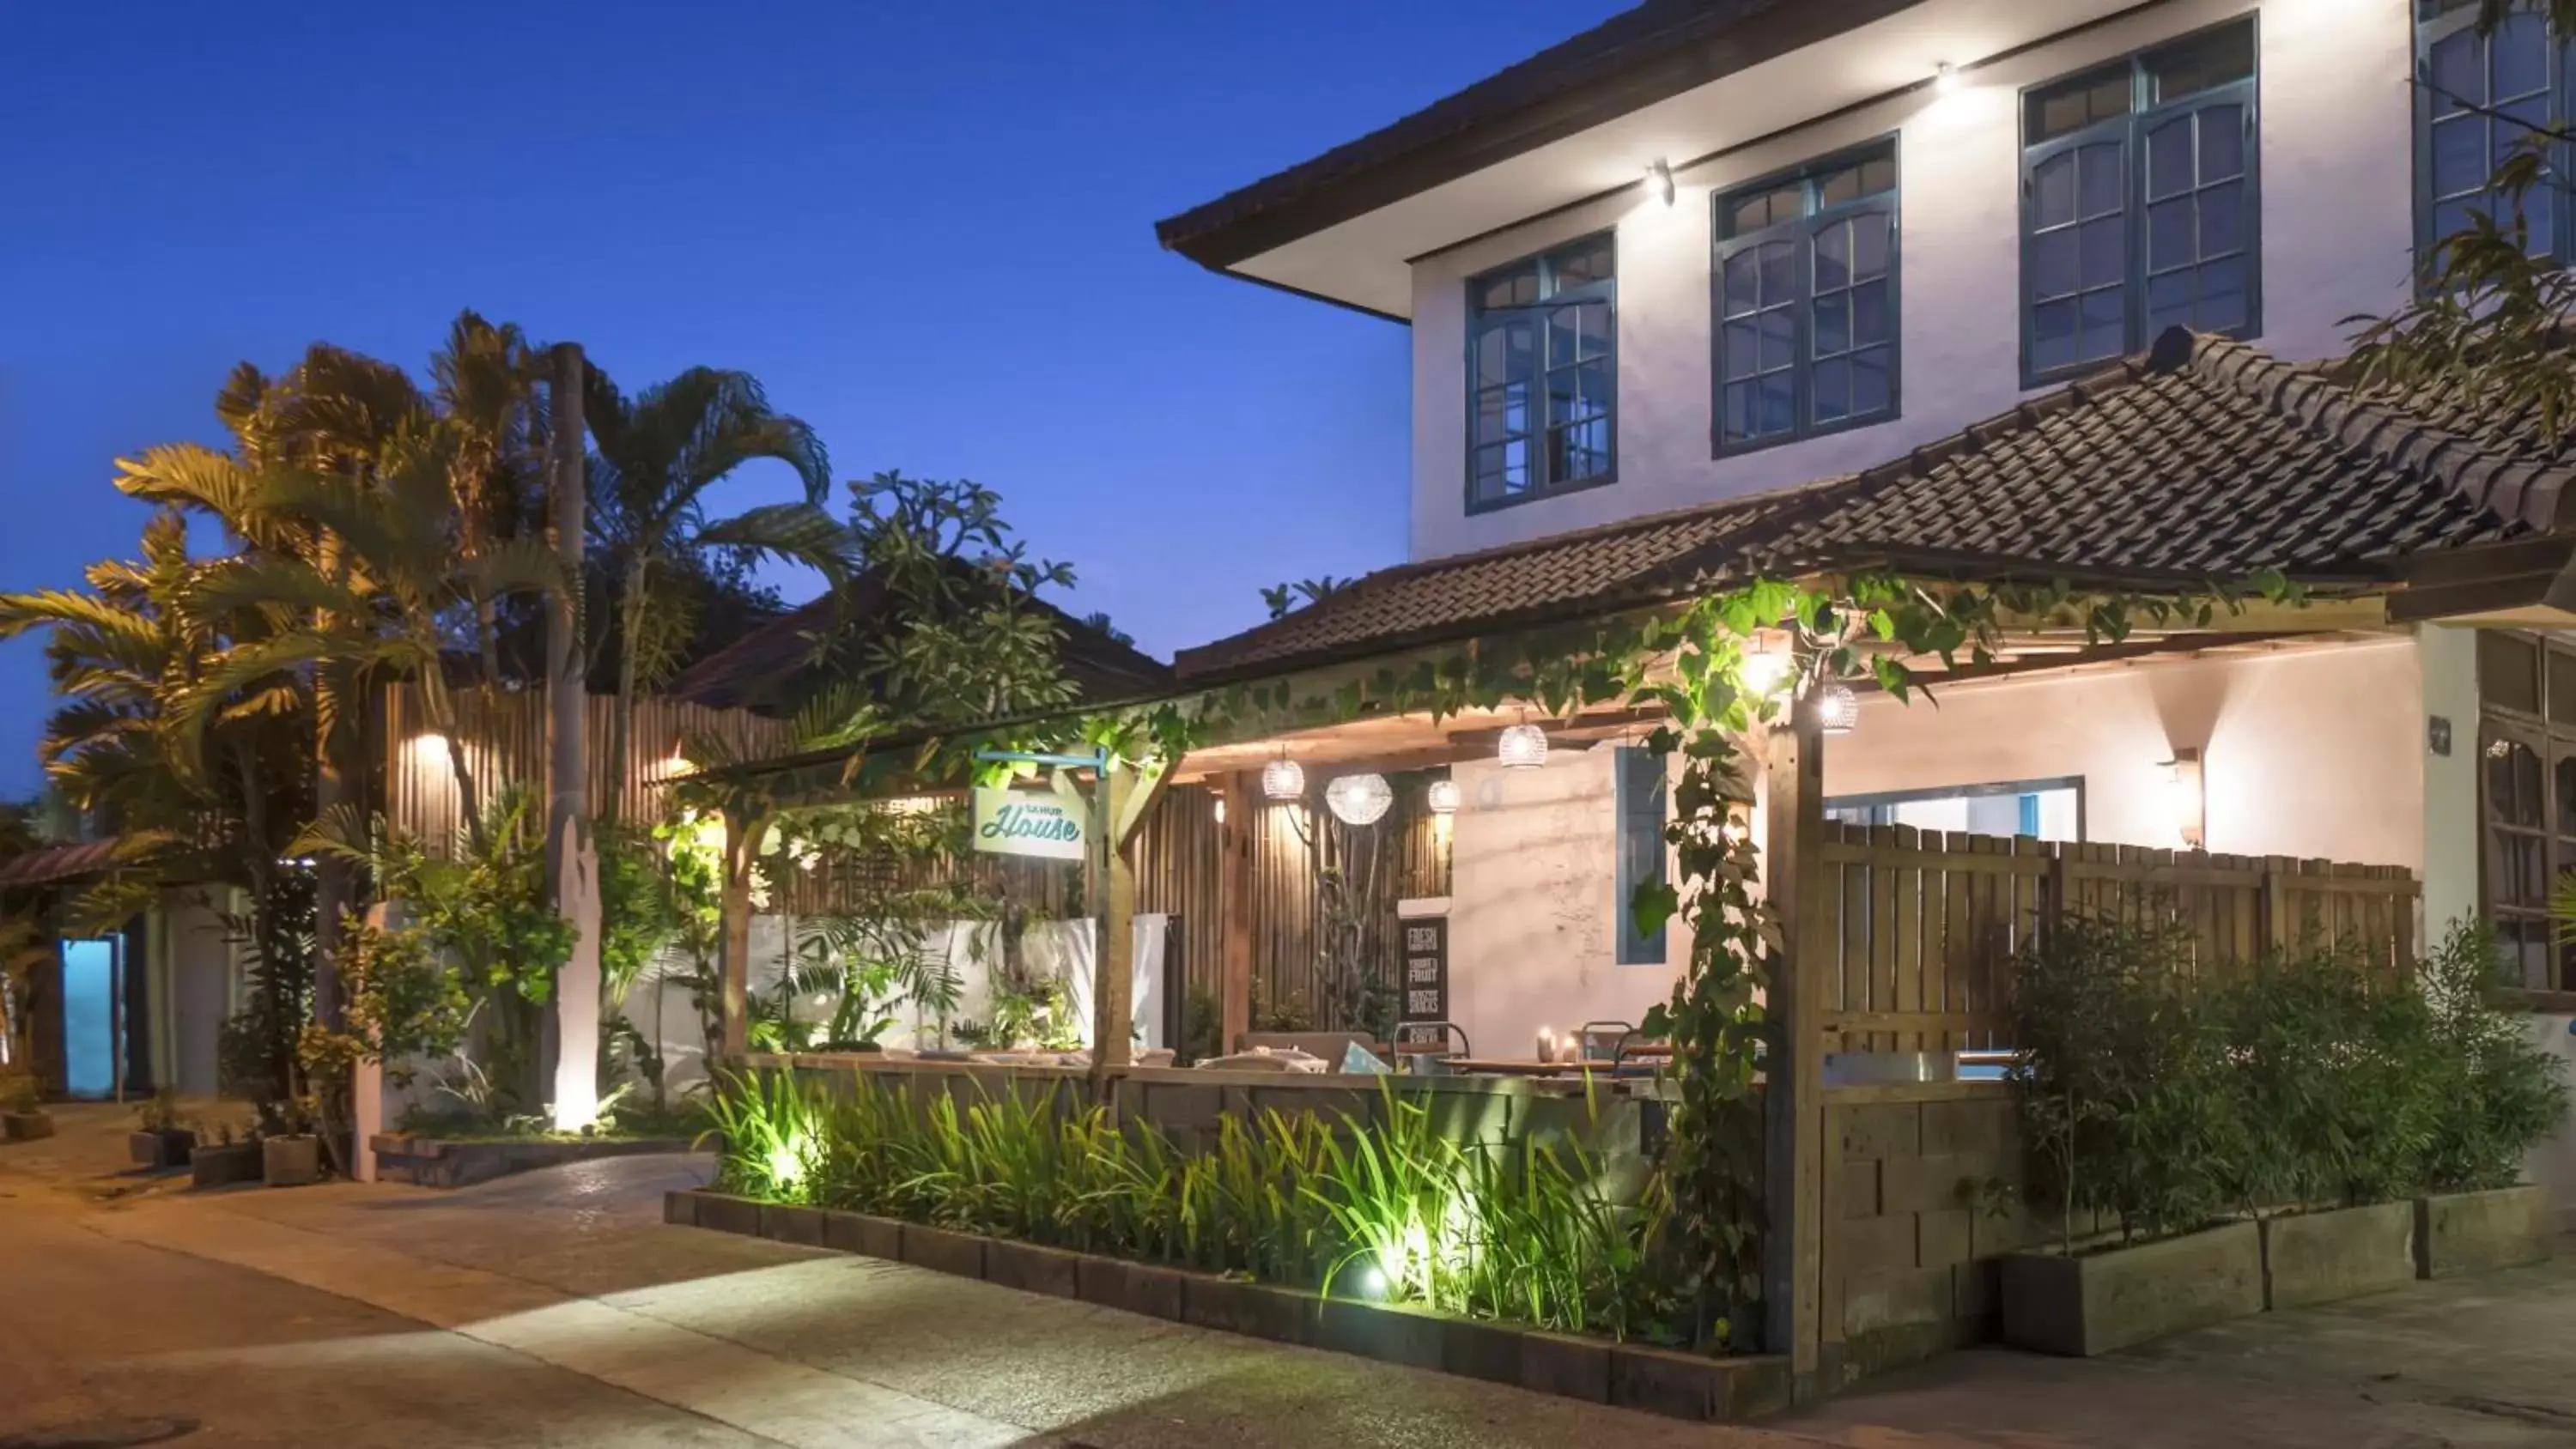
<point x="331" y="894"/>
<point x="621" y="727"/>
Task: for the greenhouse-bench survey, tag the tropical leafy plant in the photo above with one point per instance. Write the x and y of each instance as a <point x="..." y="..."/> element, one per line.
<point x="1387" y="1206"/>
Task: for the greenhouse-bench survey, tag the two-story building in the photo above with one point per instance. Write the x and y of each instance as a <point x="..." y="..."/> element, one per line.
<point x="1718" y="281"/>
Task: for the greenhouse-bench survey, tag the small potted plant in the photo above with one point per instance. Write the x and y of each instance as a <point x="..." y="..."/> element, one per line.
<point x="159" y="1142"/>
<point x="219" y="1160"/>
<point x="292" y="1156"/>
<point x="22" y="1118"/>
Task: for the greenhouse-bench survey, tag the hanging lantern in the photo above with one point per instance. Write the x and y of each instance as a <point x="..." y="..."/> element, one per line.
<point x="1358" y="799"/>
<point x="1442" y="797"/>
<point x="1524" y="747"/>
<point x="1837" y="709"/>
<point x="1283" y="779"/>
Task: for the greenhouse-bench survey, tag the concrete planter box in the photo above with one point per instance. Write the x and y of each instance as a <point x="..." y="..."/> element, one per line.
<point x="942" y="1251"/>
<point x="2324" y="1257"/>
<point x="802" y="1226"/>
<point x="27" y="1126"/>
<point x="847" y="1232"/>
<point x="2476" y="1232"/>
<point x="1031" y="1268"/>
<point x="227" y="1164"/>
<point x="294" y="1160"/>
<point x="439" y="1162"/>
<point x="1133" y="1287"/>
<point x="728" y="1214"/>
<point x="1689" y="1386"/>
<point x="1255" y="1310"/>
<point x="2100" y="1302"/>
<point x="1387" y="1332"/>
<point x="161" y="1148"/>
<point x="1678" y="1384"/>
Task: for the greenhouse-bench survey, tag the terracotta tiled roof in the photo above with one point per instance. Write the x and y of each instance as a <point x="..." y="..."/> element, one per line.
<point x="50" y="864"/>
<point x="2205" y="459"/>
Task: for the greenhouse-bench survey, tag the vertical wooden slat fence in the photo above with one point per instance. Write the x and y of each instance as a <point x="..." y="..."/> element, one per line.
<point x="1928" y="921"/>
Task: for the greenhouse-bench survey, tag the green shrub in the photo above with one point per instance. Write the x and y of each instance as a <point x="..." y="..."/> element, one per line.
<point x="2494" y="1093"/>
<point x="2122" y="1076"/>
<point x="2335" y="1075"/>
<point x="1387" y="1207"/>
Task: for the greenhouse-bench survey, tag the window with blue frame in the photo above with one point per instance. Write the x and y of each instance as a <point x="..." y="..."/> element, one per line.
<point x="1641" y="793"/>
<point x="1806" y="299"/>
<point x="2480" y="98"/>
<point x="1541" y="374"/>
<point x="2139" y="203"/>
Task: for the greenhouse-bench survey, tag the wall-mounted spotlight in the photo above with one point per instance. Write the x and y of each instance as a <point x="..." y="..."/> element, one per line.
<point x="1659" y="181"/>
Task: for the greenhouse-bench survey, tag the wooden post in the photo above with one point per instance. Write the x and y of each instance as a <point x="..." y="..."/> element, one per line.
<point x="1128" y="796"/>
<point x="1793" y="874"/>
<point x="1113" y="957"/>
<point x="1234" y="983"/>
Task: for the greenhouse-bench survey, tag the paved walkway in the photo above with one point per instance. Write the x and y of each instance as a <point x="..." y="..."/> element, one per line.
<point x="556" y="1309"/>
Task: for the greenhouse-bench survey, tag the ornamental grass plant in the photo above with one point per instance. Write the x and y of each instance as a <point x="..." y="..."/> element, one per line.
<point x="1384" y="1207"/>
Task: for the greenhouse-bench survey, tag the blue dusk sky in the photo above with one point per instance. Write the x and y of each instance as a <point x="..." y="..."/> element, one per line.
<point x="927" y="228"/>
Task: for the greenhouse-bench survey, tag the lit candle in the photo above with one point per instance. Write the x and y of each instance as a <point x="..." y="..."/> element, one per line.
<point x="1547" y="1043"/>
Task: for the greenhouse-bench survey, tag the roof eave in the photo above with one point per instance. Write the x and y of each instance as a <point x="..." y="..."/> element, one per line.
<point x="1282" y="208"/>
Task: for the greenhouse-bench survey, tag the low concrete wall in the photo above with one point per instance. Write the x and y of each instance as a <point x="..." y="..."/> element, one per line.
<point x="2553" y="1163"/>
<point x="1923" y="1197"/>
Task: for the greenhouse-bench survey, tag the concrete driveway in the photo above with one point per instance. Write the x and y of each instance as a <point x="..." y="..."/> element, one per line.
<point x="556" y="1309"/>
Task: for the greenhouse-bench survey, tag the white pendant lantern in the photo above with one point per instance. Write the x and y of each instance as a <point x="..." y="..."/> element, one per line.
<point x="1442" y="797"/>
<point x="1837" y="708"/>
<point x="1524" y="747"/>
<point x="1283" y="779"/>
<point x="1358" y="799"/>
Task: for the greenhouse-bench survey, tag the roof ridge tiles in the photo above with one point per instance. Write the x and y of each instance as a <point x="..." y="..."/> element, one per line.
<point x="2400" y="435"/>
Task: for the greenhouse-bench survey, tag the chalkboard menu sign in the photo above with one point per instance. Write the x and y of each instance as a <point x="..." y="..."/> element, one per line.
<point x="1426" y="973"/>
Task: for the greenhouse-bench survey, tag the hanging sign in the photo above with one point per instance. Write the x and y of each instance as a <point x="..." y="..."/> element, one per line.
<point x="1041" y="823"/>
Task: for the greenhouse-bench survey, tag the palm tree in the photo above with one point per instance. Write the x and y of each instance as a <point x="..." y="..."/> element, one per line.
<point x="658" y="453"/>
<point x="393" y="584"/>
<point x="335" y="413"/>
<point x="204" y="786"/>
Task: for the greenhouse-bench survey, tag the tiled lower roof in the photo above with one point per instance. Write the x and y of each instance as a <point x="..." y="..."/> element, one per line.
<point x="2204" y="459"/>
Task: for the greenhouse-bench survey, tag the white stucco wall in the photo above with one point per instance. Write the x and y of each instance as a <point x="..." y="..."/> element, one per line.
<point x="1533" y="914"/>
<point x="202" y="988"/>
<point x="2335" y="161"/>
<point x="2304" y="753"/>
<point x="2310" y="754"/>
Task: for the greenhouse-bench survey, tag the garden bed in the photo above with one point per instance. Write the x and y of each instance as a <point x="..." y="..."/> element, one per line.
<point x="450" y="1162"/>
<point x="2095" y="1303"/>
<point x="2324" y="1257"/>
<point x="1637" y="1376"/>
<point x="2475" y="1232"/>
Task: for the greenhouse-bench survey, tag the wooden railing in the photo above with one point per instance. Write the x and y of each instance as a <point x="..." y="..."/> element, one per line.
<point x="1924" y="924"/>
